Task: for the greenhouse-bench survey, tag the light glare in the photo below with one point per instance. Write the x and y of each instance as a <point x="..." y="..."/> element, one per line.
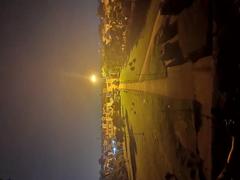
<point x="93" y="78"/>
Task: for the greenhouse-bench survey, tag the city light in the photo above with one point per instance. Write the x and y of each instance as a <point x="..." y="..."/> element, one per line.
<point x="114" y="150"/>
<point x="113" y="142"/>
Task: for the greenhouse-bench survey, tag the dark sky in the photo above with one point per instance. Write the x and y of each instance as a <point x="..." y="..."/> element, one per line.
<point x="49" y="117"/>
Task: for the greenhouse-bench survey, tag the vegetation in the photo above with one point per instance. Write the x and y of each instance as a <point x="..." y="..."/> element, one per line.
<point x="132" y="69"/>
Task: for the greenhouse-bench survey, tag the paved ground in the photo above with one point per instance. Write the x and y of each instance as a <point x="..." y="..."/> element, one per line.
<point x="154" y="145"/>
<point x="185" y="83"/>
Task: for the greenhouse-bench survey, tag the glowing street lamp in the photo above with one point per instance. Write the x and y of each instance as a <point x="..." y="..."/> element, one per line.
<point x="93" y="78"/>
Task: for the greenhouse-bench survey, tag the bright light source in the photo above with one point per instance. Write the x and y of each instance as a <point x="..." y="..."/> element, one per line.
<point x="93" y="78"/>
<point x="114" y="150"/>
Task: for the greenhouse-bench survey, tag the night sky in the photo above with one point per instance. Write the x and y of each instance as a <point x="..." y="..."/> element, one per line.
<point x="49" y="114"/>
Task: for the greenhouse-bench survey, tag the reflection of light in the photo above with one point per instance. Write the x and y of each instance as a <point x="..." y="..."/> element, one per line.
<point x="93" y="78"/>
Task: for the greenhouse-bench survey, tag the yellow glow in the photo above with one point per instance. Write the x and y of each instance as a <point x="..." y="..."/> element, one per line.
<point x="93" y="78"/>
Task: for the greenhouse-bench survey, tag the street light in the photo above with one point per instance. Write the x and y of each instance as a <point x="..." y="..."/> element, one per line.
<point x="93" y="78"/>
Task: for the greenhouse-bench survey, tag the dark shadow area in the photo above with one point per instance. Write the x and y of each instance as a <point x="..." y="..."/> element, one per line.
<point x="220" y="146"/>
<point x="137" y="21"/>
<point x="197" y="114"/>
<point x="167" y="30"/>
<point x="227" y="126"/>
<point x="170" y="176"/>
<point x="173" y="53"/>
<point x="174" y="7"/>
<point x="227" y="17"/>
<point x="198" y="118"/>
